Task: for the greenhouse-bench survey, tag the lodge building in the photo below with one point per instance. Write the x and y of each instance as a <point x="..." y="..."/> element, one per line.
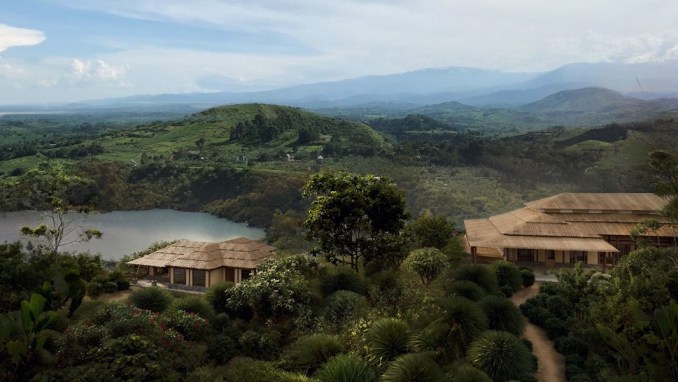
<point x="593" y="228"/>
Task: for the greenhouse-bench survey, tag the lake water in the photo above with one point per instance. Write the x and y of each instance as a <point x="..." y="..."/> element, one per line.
<point x="130" y="231"/>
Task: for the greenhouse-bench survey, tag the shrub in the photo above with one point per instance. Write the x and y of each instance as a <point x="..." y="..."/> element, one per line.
<point x="571" y="345"/>
<point x="194" y="304"/>
<point x="508" y="275"/>
<point x="346" y="368"/>
<point x="501" y="355"/>
<point x="506" y="291"/>
<point x="558" y="306"/>
<point x="468" y="373"/>
<point x="190" y="325"/>
<point x="467" y="289"/>
<point x="259" y="345"/>
<point x="154" y="299"/>
<point x="221" y="348"/>
<point x="479" y="274"/>
<point x="386" y="290"/>
<point x="341" y="278"/>
<point x="342" y="307"/>
<point x="428" y="263"/>
<point x="502" y="314"/>
<point x="386" y="339"/>
<point x="412" y="367"/>
<point x="528" y="276"/>
<point x="217" y="296"/>
<point x="242" y="369"/>
<point x="308" y="353"/>
<point x="110" y="287"/>
<point x="555" y="327"/>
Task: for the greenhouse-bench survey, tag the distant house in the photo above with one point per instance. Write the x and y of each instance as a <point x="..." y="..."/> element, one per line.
<point x="203" y="264"/>
<point x="593" y="228"/>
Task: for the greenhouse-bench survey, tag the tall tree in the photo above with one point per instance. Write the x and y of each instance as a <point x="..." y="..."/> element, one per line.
<point x="353" y="217"/>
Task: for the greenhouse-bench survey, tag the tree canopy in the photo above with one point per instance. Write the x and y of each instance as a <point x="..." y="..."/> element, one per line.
<point x="353" y="217"/>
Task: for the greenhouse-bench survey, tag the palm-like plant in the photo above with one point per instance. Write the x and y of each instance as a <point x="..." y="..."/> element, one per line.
<point x="467" y="373"/>
<point x="502" y="314"/>
<point x="386" y="339"/>
<point x="308" y="353"/>
<point x="465" y="288"/>
<point x="413" y="367"/>
<point x="450" y="335"/>
<point x="346" y="368"/>
<point x="501" y="355"/>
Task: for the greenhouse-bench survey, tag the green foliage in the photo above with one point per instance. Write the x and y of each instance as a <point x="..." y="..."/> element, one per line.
<point x="416" y="367"/>
<point x="479" y="274"/>
<point x="430" y="230"/>
<point x="194" y="304"/>
<point x="279" y="289"/>
<point x="154" y="299"/>
<point x="217" y="297"/>
<point x="501" y="355"/>
<point x="528" y="276"/>
<point x="260" y="345"/>
<point x="342" y="307"/>
<point x="467" y="373"/>
<point x="353" y="217"/>
<point x="386" y="339"/>
<point x="465" y="288"/>
<point x="386" y="290"/>
<point x="346" y="368"/>
<point x="428" y="263"/>
<point x="242" y="369"/>
<point x="460" y="323"/>
<point x="341" y="278"/>
<point x="502" y="314"/>
<point x="310" y="352"/>
<point x="508" y="275"/>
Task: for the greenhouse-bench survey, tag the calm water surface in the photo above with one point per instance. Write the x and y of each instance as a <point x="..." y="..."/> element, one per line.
<point x="129" y="231"/>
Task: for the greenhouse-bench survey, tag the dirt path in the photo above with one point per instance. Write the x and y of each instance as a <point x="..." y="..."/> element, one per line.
<point x="551" y="363"/>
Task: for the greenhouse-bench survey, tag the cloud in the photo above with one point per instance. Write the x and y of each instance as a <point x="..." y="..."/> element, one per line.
<point x="86" y="71"/>
<point x="11" y="37"/>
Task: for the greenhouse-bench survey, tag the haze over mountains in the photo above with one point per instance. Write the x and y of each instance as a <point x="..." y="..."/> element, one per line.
<point x="571" y="94"/>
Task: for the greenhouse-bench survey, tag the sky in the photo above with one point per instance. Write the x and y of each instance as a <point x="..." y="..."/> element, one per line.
<point x="69" y="50"/>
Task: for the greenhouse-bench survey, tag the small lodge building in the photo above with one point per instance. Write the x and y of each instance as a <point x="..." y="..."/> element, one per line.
<point x="203" y="264"/>
<point x="593" y="228"/>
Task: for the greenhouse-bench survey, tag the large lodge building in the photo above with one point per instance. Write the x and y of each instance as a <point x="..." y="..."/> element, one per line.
<point x="593" y="228"/>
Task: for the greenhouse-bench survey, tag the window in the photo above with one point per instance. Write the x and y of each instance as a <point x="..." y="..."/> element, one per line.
<point x="245" y="274"/>
<point x="180" y="276"/>
<point x="525" y="254"/>
<point x="199" y="277"/>
<point x="578" y="256"/>
<point x="550" y="255"/>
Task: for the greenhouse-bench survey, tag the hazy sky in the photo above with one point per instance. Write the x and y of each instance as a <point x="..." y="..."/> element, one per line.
<point x="65" y="50"/>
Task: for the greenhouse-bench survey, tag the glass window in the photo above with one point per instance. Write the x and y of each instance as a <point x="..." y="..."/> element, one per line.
<point x="180" y="276"/>
<point x="199" y="277"/>
<point x="245" y="274"/>
<point x="525" y="254"/>
<point x="578" y="256"/>
<point x="550" y="255"/>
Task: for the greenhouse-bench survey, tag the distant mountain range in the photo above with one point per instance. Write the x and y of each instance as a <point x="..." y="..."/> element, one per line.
<point x="573" y="94"/>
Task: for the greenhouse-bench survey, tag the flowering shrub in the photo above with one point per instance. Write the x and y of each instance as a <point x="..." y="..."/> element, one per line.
<point x="191" y="326"/>
<point x="278" y="289"/>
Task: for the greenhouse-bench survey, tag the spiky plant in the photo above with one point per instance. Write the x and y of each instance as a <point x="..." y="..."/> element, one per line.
<point x="346" y="368"/>
<point x="154" y="299"/>
<point x="501" y="355"/>
<point x="468" y="373"/>
<point x="308" y="353"/>
<point x="502" y="314"/>
<point x="413" y="367"/>
<point x="465" y="288"/>
<point x="386" y="339"/>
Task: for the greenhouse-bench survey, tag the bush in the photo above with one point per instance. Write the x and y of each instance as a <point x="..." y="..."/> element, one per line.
<point x="154" y="299"/>
<point x="508" y="275"/>
<point x="343" y="306"/>
<point x="259" y="345"/>
<point x="479" y="274"/>
<point x="310" y="352"/>
<point x="555" y="327"/>
<point x="412" y="367"/>
<point x="217" y="296"/>
<point x="502" y="314"/>
<point x="386" y="290"/>
<point x="428" y="263"/>
<point x="468" y="373"/>
<point x="558" y="306"/>
<point x="467" y="289"/>
<point x="528" y="276"/>
<point x="571" y="345"/>
<point x="242" y="369"/>
<point x="122" y="284"/>
<point x="341" y="278"/>
<point x="194" y="304"/>
<point x="110" y="287"/>
<point x="346" y="368"/>
<point x="506" y="291"/>
<point x="386" y="339"/>
<point x="221" y="348"/>
<point x="501" y="355"/>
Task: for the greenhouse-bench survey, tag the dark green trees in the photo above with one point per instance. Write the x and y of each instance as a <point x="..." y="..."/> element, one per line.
<point x="353" y="217"/>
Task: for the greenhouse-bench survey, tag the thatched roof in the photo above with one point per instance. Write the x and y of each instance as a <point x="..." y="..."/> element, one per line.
<point x="236" y="253"/>
<point x="570" y="222"/>
<point x="603" y="202"/>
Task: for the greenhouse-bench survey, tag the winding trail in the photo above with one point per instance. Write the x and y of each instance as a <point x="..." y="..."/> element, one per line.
<point x="551" y="363"/>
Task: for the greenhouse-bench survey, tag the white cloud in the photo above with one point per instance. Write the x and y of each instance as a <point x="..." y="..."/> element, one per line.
<point x="11" y="37"/>
<point x="86" y="71"/>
